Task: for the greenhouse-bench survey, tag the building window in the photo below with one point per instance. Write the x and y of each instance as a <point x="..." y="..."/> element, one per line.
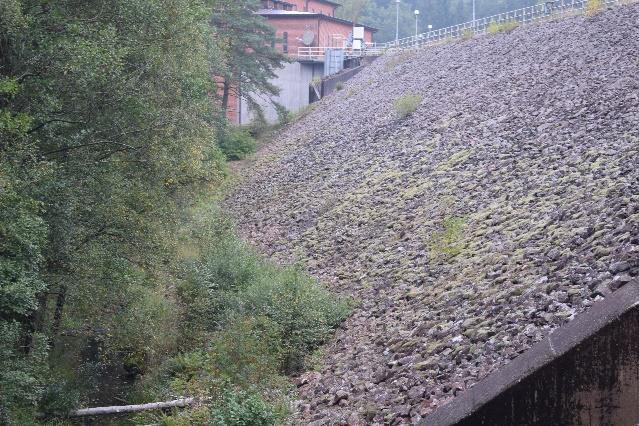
<point x="285" y="42"/>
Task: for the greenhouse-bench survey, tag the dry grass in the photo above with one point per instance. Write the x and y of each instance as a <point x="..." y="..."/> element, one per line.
<point x="593" y="7"/>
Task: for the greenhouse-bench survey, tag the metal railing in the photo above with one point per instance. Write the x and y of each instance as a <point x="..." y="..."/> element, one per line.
<point x="319" y="52"/>
<point x="523" y="16"/>
<point x="527" y="15"/>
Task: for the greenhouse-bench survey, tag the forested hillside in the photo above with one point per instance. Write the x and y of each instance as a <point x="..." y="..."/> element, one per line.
<point x="381" y="14"/>
<point x="120" y="280"/>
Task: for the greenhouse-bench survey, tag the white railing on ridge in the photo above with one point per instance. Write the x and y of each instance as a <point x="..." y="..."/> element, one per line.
<point x="318" y="53"/>
<point x="523" y="16"/>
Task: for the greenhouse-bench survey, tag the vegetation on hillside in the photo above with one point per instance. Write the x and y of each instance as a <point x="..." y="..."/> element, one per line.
<point x="119" y="282"/>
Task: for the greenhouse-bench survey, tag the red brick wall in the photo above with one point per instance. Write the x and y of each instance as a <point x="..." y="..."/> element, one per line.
<point x="295" y="28"/>
<point x="329" y="30"/>
<point x="232" y="107"/>
<point x="368" y="36"/>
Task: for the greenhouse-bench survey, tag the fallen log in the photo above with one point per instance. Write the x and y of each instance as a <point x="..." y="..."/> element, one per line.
<point x="117" y="409"/>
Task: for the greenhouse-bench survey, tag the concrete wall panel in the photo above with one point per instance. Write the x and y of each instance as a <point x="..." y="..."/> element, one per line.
<point x="584" y="374"/>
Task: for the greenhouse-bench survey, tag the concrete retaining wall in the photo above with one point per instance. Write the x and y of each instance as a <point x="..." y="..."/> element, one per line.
<point x="585" y="373"/>
<point x="293" y="81"/>
<point x="329" y="85"/>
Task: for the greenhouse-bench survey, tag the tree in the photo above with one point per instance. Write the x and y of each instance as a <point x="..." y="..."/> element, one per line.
<point x="108" y="142"/>
<point x="106" y="132"/>
<point x="353" y="10"/>
<point x="247" y="42"/>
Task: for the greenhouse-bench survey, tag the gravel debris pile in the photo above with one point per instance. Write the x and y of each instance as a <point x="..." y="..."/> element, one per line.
<point x="506" y="204"/>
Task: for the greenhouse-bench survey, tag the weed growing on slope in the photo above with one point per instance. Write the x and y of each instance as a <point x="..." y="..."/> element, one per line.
<point x="237" y="143"/>
<point x="593" y="7"/>
<point x="455" y="159"/>
<point x="284" y="116"/>
<point x="501" y="27"/>
<point x="446" y="241"/>
<point x="467" y="34"/>
<point x="397" y="59"/>
<point x="406" y="105"/>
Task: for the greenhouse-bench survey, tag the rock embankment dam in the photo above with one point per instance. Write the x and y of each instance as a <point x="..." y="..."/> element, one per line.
<point x="505" y="205"/>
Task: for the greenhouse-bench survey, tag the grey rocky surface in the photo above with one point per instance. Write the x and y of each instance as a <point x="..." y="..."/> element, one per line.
<point x="505" y="205"/>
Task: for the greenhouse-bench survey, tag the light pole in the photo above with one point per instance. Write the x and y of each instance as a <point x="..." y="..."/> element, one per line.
<point x="397" y="25"/>
<point x="474" y="16"/>
<point x="416" y="19"/>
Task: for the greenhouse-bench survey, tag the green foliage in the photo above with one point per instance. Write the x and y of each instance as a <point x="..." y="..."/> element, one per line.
<point x="236" y="143"/>
<point x="245" y="43"/>
<point x="241" y="408"/>
<point x="244" y="322"/>
<point x="303" y="312"/>
<point x="339" y="86"/>
<point x="22" y="375"/>
<point x="406" y="105"/>
<point x="230" y="284"/>
<point x="108" y="139"/>
<point x="284" y="116"/>
<point x="446" y="241"/>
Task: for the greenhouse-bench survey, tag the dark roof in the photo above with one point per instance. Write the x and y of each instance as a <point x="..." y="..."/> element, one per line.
<point x="330" y="2"/>
<point x="294" y="14"/>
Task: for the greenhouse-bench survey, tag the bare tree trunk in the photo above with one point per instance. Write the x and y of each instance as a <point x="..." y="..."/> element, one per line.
<point x="59" y="307"/>
<point x="98" y="411"/>
<point x="225" y="95"/>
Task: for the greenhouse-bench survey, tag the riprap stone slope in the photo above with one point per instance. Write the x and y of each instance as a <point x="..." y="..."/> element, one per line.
<point x="506" y="204"/>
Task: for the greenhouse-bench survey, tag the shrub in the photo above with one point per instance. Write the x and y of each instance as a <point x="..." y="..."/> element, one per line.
<point x="236" y="143"/>
<point x="406" y="105"/>
<point x="303" y="311"/>
<point x="259" y="126"/>
<point x="212" y="283"/>
<point x="245" y="323"/>
<point x="339" y="86"/>
<point x="232" y="289"/>
<point x="248" y="352"/>
<point x="284" y="116"/>
<point x="242" y="408"/>
<point x="22" y="378"/>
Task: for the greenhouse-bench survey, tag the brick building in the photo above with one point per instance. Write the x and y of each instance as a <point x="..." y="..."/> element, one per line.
<point x="302" y="26"/>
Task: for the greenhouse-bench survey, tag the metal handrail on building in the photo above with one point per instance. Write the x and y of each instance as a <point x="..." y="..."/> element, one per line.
<point x="319" y="52"/>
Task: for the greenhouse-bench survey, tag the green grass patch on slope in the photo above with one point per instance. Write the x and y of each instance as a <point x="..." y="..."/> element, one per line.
<point x="446" y="241"/>
<point x="406" y="105"/>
